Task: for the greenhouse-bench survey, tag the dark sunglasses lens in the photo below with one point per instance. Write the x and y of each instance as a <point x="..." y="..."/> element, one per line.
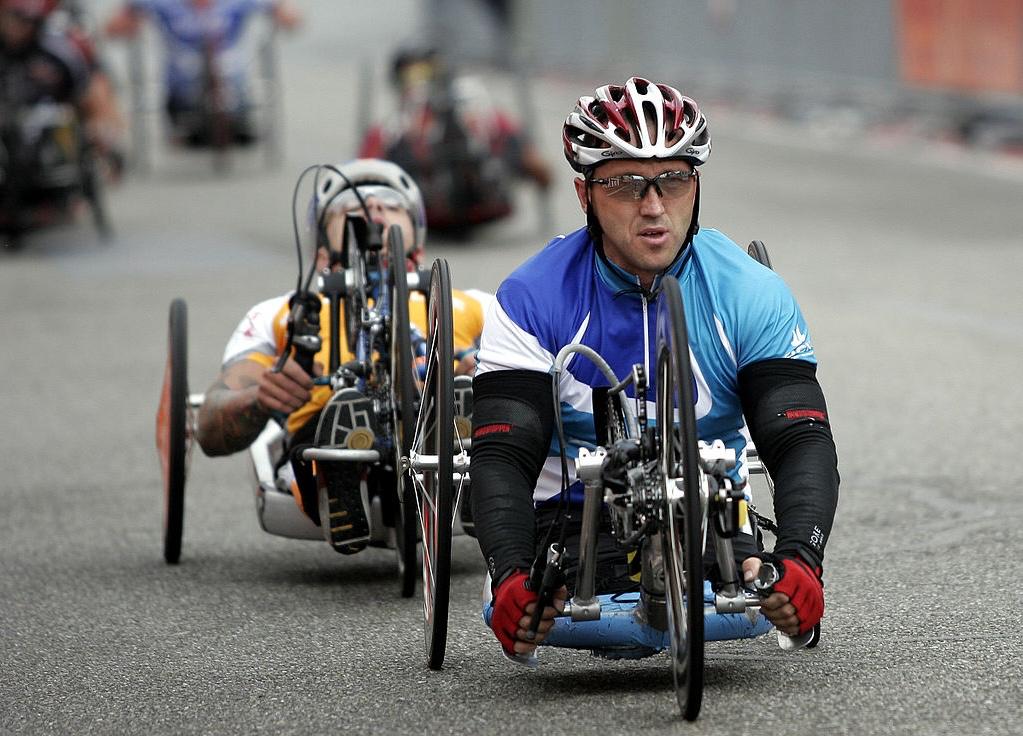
<point x="624" y="187"/>
<point x="674" y="184"/>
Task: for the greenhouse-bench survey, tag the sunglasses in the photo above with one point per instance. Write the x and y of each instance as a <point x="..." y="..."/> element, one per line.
<point x="347" y="202"/>
<point x="634" y="186"/>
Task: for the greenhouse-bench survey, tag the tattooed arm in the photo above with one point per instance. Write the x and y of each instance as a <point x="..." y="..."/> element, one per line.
<point x="239" y="402"/>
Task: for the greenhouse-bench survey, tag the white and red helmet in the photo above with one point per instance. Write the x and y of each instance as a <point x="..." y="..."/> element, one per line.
<point x="639" y="119"/>
<point x="372" y="177"/>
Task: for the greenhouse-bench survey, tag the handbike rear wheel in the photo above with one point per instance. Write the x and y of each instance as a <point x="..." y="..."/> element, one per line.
<point x="758" y="251"/>
<point x="173" y="431"/>
<point x="682" y="524"/>
<point x="404" y="399"/>
<point x="432" y="450"/>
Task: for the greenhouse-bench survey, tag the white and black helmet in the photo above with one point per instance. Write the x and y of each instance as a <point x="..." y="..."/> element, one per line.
<point x="372" y="177"/>
<point x="639" y="119"/>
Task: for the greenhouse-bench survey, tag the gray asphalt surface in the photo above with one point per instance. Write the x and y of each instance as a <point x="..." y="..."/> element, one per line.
<point x="905" y="259"/>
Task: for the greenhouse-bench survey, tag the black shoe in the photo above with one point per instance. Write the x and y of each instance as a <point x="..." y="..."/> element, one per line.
<point x="346" y="422"/>
<point x="463" y="407"/>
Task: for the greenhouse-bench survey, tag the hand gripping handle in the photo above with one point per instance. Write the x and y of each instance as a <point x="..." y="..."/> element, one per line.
<point x="545" y="580"/>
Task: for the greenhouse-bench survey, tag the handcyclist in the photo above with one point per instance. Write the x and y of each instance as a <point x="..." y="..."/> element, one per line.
<point x="462" y="149"/>
<point x="37" y="66"/>
<point x="637" y="147"/>
<point x="196" y="30"/>
<point x="247" y="392"/>
<point x="42" y="69"/>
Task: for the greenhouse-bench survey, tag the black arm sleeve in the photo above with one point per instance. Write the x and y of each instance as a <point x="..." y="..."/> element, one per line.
<point x="512" y="423"/>
<point x="788" y="421"/>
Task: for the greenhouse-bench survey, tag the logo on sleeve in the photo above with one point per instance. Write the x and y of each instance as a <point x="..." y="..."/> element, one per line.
<point x="801" y="344"/>
<point x="497" y="428"/>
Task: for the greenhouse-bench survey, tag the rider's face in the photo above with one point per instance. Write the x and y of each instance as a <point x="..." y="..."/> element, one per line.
<point x="641" y="236"/>
<point x="381" y="211"/>
<point x="16" y="30"/>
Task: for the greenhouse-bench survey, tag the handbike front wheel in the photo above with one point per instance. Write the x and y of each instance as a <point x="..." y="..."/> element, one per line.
<point x="404" y="400"/>
<point x="682" y="524"/>
<point x="173" y="431"/>
<point x="432" y="464"/>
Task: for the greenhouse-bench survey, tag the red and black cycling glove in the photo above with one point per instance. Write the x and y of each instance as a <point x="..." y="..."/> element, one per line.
<point x="803" y="586"/>
<point x="510" y="601"/>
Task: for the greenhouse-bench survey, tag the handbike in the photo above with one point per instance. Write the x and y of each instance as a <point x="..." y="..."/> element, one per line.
<point x="219" y="120"/>
<point x="367" y="284"/>
<point x="47" y="168"/>
<point x="669" y="497"/>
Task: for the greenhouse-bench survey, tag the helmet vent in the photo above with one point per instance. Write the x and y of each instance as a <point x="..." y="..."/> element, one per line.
<point x="649" y="115"/>
<point x="629" y="114"/>
<point x="598" y="112"/>
<point x="689" y="112"/>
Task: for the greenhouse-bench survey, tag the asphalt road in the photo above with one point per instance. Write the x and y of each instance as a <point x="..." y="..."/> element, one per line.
<point x="906" y="260"/>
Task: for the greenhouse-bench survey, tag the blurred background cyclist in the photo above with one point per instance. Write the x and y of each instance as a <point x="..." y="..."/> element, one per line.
<point x="203" y="38"/>
<point x="55" y="98"/>
<point x="447" y="132"/>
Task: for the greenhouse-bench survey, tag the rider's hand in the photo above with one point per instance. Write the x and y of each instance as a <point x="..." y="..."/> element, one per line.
<point x="466" y="365"/>
<point x="285" y="391"/>
<point x="514" y="604"/>
<point x="797" y="603"/>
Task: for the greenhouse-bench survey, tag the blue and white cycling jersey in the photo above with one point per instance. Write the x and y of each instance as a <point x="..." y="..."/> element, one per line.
<point x="185" y="29"/>
<point x="566" y="294"/>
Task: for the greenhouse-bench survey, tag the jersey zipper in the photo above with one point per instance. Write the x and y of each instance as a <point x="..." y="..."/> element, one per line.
<point x="646" y="338"/>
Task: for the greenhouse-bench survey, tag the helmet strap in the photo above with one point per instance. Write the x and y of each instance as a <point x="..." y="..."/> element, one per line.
<point x="694" y="225"/>
<point x="592" y="223"/>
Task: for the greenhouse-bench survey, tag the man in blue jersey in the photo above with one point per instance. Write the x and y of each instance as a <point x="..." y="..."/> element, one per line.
<point x="637" y="147"/>
<point x="201" y="36"/>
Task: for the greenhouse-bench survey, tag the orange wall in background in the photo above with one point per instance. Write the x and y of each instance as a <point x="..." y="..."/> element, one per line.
<point x="962" y="45"/>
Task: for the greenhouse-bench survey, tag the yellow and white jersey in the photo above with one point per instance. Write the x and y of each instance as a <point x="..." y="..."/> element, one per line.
<point x="263" y="332"/>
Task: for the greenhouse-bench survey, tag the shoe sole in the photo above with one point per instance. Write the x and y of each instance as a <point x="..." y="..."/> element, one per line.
<point x="344" y="514"/>
<point x="342" y="491"/>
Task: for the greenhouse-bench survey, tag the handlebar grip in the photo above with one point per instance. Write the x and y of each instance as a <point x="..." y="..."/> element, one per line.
<point x="551" y="581"/>
<point x="304" y="358"/>
<point x="765" y="580"/>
